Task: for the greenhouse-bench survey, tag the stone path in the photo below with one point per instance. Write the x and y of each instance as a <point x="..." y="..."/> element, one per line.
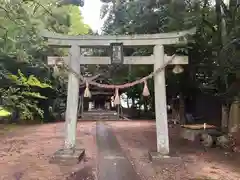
<point x="112" y="163"/>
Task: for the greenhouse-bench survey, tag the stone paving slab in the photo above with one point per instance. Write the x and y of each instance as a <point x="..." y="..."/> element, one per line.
<point x="112" y="163"/>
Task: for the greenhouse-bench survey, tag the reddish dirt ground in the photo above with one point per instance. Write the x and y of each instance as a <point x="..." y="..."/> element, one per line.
<point x="138" y="138"/>
<point x="25" y="154"/>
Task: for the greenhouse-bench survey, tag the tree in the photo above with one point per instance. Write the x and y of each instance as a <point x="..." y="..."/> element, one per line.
<point x="142" y="17"/>
<point x="22" y="48"/>
<point x="20" y="96"/>
<point x="212" y="50"/>
<point x="215" y="43"/>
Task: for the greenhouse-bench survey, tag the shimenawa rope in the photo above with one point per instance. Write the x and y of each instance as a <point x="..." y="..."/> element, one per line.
<point x="89" y="81"/>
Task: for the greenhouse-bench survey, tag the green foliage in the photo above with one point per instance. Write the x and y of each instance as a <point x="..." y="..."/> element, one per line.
<point x="77" y="26"/>
<point x="214" y="60"/>
<point x="4" y="112"/>
<point x="216" y="52"/>
<point x="31" y="81"/>
<point x="148" y="17"/>
<point x="28" y="87"/>
<point x="20" y="96"/>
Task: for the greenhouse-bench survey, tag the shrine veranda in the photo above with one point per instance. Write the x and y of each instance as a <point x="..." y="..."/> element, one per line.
<point x="158" y="58"/>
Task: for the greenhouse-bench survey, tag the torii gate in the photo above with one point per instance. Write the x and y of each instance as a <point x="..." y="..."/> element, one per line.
<point x="75" y="43"/>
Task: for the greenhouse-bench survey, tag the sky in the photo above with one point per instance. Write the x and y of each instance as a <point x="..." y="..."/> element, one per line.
<point x="91" y="14"/>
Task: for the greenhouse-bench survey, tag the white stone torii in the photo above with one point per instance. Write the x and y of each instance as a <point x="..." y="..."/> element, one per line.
<point x="157" y="59"/>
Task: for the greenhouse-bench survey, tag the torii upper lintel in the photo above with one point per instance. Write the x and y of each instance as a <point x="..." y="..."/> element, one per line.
<point x="55" y="39"/>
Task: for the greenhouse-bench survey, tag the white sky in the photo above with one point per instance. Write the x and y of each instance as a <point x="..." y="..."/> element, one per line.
<point x="91" y="14"/>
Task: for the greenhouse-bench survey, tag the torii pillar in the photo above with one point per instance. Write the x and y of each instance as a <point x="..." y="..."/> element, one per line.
<point x="160" y="102"/>
<point x="72" y="99"/>
<point x="70" y="154"/>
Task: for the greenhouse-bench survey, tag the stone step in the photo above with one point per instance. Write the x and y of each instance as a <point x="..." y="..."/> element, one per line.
<point x="100" y="112"/>
<point x="99" y="115"/>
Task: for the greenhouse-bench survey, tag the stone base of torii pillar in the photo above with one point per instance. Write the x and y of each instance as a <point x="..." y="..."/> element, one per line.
<point x="68" y="156"/>
<point x="170" y="158"/>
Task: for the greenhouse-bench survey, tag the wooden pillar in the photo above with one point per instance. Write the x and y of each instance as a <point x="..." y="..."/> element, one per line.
<point x="72" y="99"/>
<point x="160" y="102"/>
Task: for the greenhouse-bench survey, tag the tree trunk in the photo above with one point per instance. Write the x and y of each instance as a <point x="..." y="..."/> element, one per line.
<point x="225" y="115"/>
<point x="234" y="116"/>
<point x="118" y="112"/>
<point x="110" y="105"/>
<point x="174" y="113"/>
<point x="175" y="116"/>
<point x="145" y="104"/>
<point x="182" y="109"/>
<point x="80" y="105"/>
<point x="128" y="106"/>
<point x="133" y="102"/>
<point x="145" y="107"/>
<point x="219" y="19"/>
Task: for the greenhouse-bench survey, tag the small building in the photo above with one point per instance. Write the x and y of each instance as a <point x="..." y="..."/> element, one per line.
<point x="101" y="98"/>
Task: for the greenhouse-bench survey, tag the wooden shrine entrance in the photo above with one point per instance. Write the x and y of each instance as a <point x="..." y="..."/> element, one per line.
<point x="158" y="59"/>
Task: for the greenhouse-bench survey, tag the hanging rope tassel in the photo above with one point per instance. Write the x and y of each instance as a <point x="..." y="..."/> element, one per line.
<point x="117" y="98"/>
<point x="145" y="89"/>
<point x="87" y="92"/>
